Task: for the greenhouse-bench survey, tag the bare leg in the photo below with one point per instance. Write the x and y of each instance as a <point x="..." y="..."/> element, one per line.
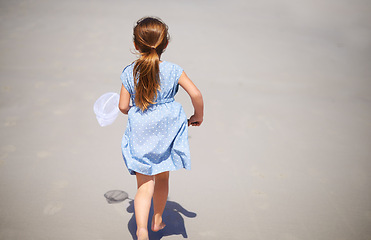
<point x="142" y="204"/>
<point x="159" y="200"/>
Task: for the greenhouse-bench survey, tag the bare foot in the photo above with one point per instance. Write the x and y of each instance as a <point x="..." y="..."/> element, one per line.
<point x="142" y="234"/>
<point x="157" y="227"/>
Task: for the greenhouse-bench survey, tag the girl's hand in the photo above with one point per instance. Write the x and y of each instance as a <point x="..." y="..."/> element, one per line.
<point x="195" y="121"/>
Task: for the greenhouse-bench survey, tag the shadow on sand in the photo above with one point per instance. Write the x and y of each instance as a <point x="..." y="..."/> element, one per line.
<point x="172" y="216"/>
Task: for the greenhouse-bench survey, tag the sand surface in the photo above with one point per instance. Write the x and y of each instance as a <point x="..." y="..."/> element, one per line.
<point x="285" y="149"/>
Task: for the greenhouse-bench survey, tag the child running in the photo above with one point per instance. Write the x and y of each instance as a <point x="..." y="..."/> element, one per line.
<point x="156" y="138"/>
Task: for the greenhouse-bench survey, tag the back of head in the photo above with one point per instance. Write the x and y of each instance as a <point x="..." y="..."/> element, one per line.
<point x="150" y="38"/>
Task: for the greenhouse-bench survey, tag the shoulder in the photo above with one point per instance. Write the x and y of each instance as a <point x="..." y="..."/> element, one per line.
<point x="127" y="77"/>
<point x="171" y="65"/>
<point x="171" y="68"/>
<point x="128" y="70"/>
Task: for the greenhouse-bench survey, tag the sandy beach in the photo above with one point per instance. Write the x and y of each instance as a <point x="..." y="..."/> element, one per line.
<point x="284" y="152"/>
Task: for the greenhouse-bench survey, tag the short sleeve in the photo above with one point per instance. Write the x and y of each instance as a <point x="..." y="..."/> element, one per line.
<point x="126" y="78"/>
<point x="178" y="72"/>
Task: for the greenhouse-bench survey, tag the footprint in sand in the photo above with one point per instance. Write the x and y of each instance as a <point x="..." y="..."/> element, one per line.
<point x="262" y="202"/>
<point x="66" y="83"/>
<point x="10" y="122"/>
<point x="61" y="111"/>
<point x="56" y="192"/>
<point x="57" y="189"/>
<point x="6" y="89"/>
<point x="53" y="208"/>
<point x="43" y="154"/>
<point x="256" y="173"/>
<point x="259" y="193"/>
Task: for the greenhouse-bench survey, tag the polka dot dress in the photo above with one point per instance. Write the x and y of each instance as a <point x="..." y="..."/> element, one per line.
<point x="156" y="140"/>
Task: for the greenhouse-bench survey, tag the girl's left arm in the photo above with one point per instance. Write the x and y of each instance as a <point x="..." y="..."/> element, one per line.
<point x="124" y="100"/>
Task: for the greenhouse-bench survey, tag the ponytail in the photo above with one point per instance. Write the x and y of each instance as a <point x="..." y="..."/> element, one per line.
<point x="146" y="79"/>
<point x="151" y="39"/>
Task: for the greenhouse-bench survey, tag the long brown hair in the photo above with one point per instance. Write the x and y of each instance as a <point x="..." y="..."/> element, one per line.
<point x="150" y="38"/>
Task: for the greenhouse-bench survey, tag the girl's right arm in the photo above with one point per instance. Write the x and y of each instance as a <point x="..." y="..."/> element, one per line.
<point x="196" y="97"/>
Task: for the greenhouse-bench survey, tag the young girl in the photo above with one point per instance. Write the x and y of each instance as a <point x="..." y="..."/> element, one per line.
<point x="156" y="138"/>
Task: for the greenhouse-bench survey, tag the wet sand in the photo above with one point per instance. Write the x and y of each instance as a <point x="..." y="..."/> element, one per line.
<point x="284" y="152"/>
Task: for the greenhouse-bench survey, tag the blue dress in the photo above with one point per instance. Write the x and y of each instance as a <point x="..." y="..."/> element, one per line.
<point x="156" y="140"/>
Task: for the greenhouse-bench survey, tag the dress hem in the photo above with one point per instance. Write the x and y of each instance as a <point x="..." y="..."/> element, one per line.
<point x="132" y="172"/>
